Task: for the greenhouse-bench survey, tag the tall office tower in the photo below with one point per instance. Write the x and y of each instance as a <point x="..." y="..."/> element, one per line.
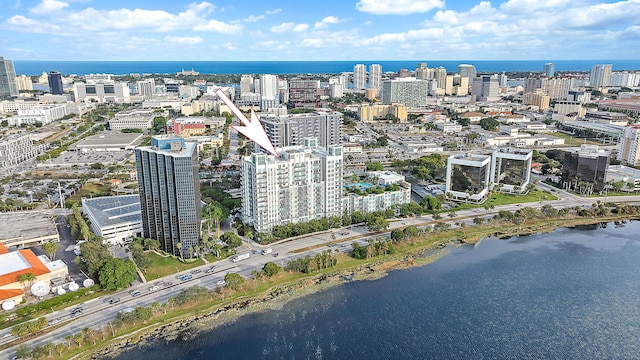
<point x="246" y="84"/>
<point x="55" y="83"/>
<point x="302" y="92"/>
<point x="375" y="76"/>
<point x="466" y="70"/>
<point x="304" y="183"/>
<point x="292" y="129"/>
<point x="169" y="189"/>
<point x="410" y="92"/>
<point x="485" y="88"/>
<point x="147" y="88"/>
<point x="502" y="79"/>
<point x="269" y="93"/>
<point x="8" y="85"/>
<point x="600" y="75"/>
<point x="440" y="74"/>
<point x="629" y="148"/>
<point x="549" y="69"/>
<point x="360" y="77"/>
<point x="422" y="71"/>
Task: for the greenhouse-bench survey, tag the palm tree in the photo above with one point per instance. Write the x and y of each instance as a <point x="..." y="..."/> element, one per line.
<point x="179" y="246"/>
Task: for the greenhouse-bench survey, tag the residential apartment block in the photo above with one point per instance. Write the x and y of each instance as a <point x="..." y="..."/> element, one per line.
<point x="410" y="92"/>
<point x="292" y="129"/>
<point x="629" y="148"/>
<point x="304" y="183"/>
<point x="17" y="148"/>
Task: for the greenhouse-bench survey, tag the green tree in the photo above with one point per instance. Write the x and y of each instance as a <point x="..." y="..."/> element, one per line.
<point x="116" y="274"/>
<point x="376" y="223"/>
<point x="490" y="124"/>
<point x="50" y="249"/>
<point x="270" y="269"/>
<point x="23" y="352"/>
<point x="374" y="166"/>
<point x="233" y="280"/>
<point x="231" y="239"/>
<point x="397" y="235"/>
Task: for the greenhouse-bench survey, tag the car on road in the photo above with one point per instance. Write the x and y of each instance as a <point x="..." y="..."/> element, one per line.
<point x="114" y="300"/>
<point x="221" y="283"/>
<point x="209" y="270"/>
<point x="196" y="271"/>
<point x="134" y="293"/>
<point x="168" y="283"/>
<point x="276" y="254"/>
<point x="76" y="311"/>
<point x="344" y="233"/>
<point x="106" y="300"/>
<point x="54" y="321"/>
<point x="186" y="277"/>
<point x="154" y="288"/>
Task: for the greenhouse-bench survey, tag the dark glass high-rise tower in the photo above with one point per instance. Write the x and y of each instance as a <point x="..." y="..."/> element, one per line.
<point x="169" y="189"/>
<point x="55" y="83"/>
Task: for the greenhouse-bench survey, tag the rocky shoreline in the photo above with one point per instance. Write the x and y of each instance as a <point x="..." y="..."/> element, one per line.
<point x="186" y="329"/>
<point x="190" y="326"/>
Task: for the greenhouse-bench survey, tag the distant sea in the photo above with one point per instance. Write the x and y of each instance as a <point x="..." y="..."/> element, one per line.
<point x="298" y="67"/>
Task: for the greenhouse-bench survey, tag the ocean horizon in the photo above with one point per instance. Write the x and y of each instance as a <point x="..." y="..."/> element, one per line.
<point x="33" y="68"/>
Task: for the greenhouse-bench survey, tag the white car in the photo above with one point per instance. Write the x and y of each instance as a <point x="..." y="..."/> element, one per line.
<point x="221" y="283"/>
<point x="154" y="288"/>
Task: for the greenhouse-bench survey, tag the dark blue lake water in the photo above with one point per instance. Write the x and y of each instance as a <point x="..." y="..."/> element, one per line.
<point x="570" y="294"/>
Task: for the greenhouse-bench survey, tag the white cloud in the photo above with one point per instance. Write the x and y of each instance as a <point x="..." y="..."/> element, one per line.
<point x="529" y="6"/>
<point x="230" y="47"/>
<point x="283" y="27"/>
<point x="301" y="27"/>
<point x="325" y="22"/>
<point x="398" y="7"/>
<point x="48" y="6"/>
<point x="24" y="24"/>
<point x="256" y="18"/>
<point x="219" y="27"/>
<point x="184" y="40"/>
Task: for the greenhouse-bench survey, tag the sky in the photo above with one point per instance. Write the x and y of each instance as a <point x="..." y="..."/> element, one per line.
<point x="83" y="30"/>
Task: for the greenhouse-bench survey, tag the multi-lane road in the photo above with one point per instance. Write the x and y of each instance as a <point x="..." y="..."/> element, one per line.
<point x="97" y="313"/>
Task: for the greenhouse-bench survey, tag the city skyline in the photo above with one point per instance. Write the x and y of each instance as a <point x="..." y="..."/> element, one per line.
<point x="364" y="29"/>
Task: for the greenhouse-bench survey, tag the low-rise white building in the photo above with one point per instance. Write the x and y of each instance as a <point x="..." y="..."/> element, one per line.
<point x="43" y="114"/>
<point x="396" y="192"/>
<point x="133" y="119"/>
<point x="629" y="176"/>
<point x="114" y="218"/>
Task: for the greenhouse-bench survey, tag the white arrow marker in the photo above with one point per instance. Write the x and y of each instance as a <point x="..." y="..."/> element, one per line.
<point x="251" y="129"/>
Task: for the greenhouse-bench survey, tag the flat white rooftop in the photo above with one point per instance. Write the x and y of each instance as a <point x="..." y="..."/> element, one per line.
<point x="12" y="262"/>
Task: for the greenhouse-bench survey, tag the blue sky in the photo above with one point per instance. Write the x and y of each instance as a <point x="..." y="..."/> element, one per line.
<point x="319" y="30"/>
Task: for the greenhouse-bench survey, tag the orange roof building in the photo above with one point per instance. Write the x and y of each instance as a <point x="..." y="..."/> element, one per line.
<point x="16" y="263"/>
